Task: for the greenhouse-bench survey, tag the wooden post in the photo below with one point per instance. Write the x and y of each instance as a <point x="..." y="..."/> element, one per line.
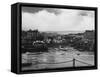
<point x="73" y="62"/>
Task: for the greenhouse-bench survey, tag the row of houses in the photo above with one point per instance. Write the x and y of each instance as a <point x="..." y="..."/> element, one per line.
<point x="36" y="36"/>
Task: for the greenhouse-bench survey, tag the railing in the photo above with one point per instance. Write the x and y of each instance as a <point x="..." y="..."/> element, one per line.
<point x="84" y="62"/>
<point x="34" y="61"/>
<point x="55" y="62"/>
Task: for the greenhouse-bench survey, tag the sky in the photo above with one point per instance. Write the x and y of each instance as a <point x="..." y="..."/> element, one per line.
<point x="55" y="19"/>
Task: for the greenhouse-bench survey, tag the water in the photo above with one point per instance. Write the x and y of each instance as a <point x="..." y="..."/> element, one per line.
<point x="57" y="58"/>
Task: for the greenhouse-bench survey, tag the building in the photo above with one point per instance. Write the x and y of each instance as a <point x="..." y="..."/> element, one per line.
<point x="89" y="34"/>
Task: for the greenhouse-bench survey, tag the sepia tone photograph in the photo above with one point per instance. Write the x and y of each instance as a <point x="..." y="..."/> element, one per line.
<point x="57" y="38"/>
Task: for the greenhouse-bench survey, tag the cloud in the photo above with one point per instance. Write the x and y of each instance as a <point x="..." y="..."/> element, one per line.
<point x="58" y="20"/>
<point x="31" y="9"/>
<point x="37" y="9"/>
<point x="86" y="13"/>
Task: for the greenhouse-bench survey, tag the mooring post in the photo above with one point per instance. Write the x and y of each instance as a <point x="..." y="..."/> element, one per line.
<point x="73" y="62"/>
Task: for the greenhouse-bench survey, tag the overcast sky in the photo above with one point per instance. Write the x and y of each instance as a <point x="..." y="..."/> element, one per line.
<point x="53" y="19"/>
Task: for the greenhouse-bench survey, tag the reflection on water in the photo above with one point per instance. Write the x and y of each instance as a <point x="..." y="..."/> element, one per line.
<point x="55" y="58"/>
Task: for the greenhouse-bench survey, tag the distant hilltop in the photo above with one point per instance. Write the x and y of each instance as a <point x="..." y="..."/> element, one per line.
<point x="61" y="32"/>
<point x="65" y="32"/>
